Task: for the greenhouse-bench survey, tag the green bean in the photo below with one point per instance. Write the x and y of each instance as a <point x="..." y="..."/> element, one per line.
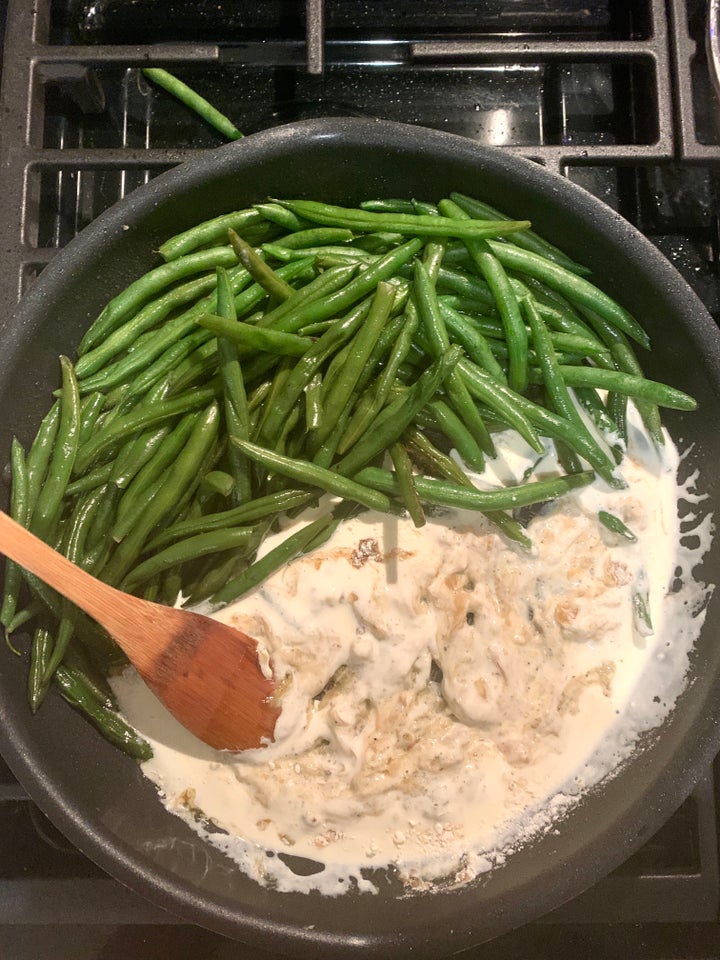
<point x="213" y="577"/>
<point x="140" y="291"/>
<point x="377" y="243"/>
<point x="194" y="369"/>
<point x="575" y="288"/>
<point x="305" y="369"/>
<point x="415" y="224"/>
<point x="282" y="217"/>
<point x="109" y="723"/>
<point x="90" y="410"/>
<point x="193" y="100"/>
<point x="258" y="269"/>
<point x="552" y="373"/>
<point x="642" y="620"/>
<point x="500" y="399"/>
<point x="281" y="375"/>
<point x="64" y="634"/>
<point x="389" y="205"/>
<point x="89" y="481"/>
<point x="449" y="495"/>
<point x="317" y="289"/>
<point x="627" y="362"/>
<point x="337" y="396"/>
<point x="166" y="363"/>
<point x="469" y="287"/>
<point x="547" y="422"/>
<point x="387" y="342"/>
<point x="617" y="405"/>
<point x="556" y="310"/>
<point x="438" y="340"/>
<point x="22" y="617"/>
<point x="256" y="338"/>
<point x="427" y="456"/>
<point x="317" y="237"/>
<point x="104" y="651"/>
<point x="349" y="255"/>
<point x="324" y="454"/>
<point x="19" y="512"/>
<point x="40" y="652"/>
<point x="74" y="550"/>
<point x="258" y="396"/>
<point x="515" y="404"/>
<point x="314" y="475"/>
<point x="208" y="232"/>
<point x="142" y="419"/>
<point x="509" y="527"/>
<point x="217" y="541"/>
<point x="378" y="354"/>
<point x="237" y="416"/>
<point x="497" y="280"/>
<point x="458" y="434"/>
<point x="78" y="659"/>
<point x="129" y="334"/>
<point x="615" y="525"/>
<point x="374" y="399"/>
<point x="180" y="326"/>
<point x="593" y="405"/>
<point x="567" y="458"/>
<point x="135" y="454"/>
<point x="137" y="494"/>
<point x="47" y="509"/>
<point x="266" y="506"/>
<point x="397" y="415"/>
<point x="179" y="477"/>
<point x="406" y="484"/>
<point x="218" y="481"/>
<point x="286" y="551"/>
<point x="39" y="456"/>
<point x="339" y="301"/>
<point x="313" y="403"/>
<point x="527" y="239"/>
<point x="433" y="257"/>
<point x="627" y="384"/>
<point x="468" y="334"/>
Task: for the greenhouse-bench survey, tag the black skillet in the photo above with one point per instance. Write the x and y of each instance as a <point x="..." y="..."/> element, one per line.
<point x="99" y="798"/>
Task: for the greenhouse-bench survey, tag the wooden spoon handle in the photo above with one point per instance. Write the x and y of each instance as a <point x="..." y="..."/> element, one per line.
<point x="53" y="568"/>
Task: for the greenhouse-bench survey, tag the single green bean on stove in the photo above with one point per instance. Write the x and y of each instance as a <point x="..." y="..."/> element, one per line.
<point x="199" y="105"/>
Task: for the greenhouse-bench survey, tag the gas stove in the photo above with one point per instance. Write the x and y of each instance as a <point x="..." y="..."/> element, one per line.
<point x="617" y="96"/>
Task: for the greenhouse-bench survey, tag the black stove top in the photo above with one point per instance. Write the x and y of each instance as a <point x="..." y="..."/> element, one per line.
<point x="617" y="96"/>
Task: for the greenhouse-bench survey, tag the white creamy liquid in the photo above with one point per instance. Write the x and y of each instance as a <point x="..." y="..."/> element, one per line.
<point x="446" y="694"/>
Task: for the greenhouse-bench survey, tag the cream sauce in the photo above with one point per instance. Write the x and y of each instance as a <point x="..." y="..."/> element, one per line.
<point x="446" y="693"/>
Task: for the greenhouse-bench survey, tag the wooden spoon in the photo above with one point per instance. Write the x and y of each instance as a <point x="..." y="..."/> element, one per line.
<point x="206" y="673"/>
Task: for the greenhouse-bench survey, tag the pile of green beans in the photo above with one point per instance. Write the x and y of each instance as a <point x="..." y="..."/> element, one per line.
<point x="294" y="349"/>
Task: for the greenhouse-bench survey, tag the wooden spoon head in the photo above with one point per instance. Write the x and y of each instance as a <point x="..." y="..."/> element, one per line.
<point x="209" y="678"/>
